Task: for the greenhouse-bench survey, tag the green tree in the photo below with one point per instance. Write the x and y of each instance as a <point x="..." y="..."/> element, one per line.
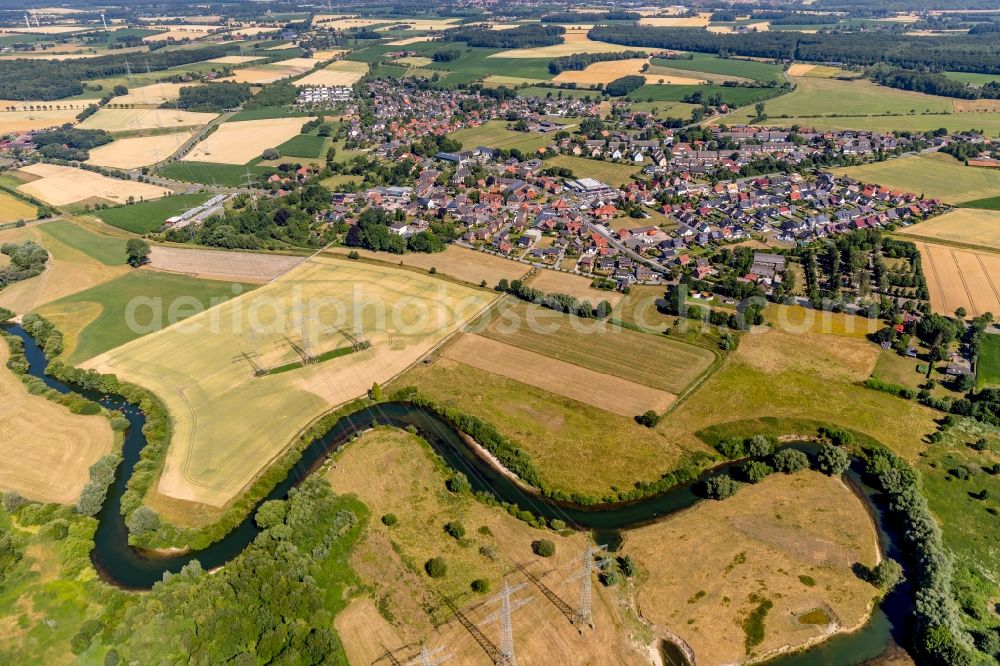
<point x="436" y="567"/>
<point x="832" y="460"/>
<point x="543" y="548"/>
<point x="136" y="252"/>
<point x="790" y="461"/>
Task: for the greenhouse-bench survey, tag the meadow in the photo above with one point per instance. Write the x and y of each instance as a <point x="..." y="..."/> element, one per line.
<point x="988" y="365"/>
<point x="677" y="93"/>
<point x="108" y="250"/>
<point x="935" y="175"/>
<point x="97" y="319"/>
<point x="652" y="360"/>
<point x="40" y="436"/>
<point x="142" y="218"/>
<point x="731" y="67"/>
<point x="791" y="539"/>
<point x="494" y="134"/>
<point x="212" y="173"/>
<point x="303" y="145"/>
<point x="612" y="173"/>
<point x="214" y="401"/>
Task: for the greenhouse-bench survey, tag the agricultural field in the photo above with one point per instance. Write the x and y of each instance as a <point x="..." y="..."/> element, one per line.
<point x="108" y="250"/>
<point x="142" y="218"/>
<point x="271" y="72"/>
<point x="153" y="94"/>
<point x="791" y="539"/>
<point x="988" y="365"/>
<point x="968" y="227"/>
<point x="731" y="68"/>
<point x="457" y="262"/>
<point x="646" y="359"/>
<point x="388" y="560"/>
<point x="340" y="73"/>
<point x="13" y="209"/>
<point x="139" y="151"/>
<point x="128" y="307"/>
<point x="574" y="41"/>
<point x="213" y="400"/>
<point x="212" y="264"/>
<point x="494" y="134"/>
<point x="26" y="121"/>
<point x="818" y="71"/>
<point x="961" y="278"/>
<point x="797" y="319"/>
<point x="677" y="93"/>
<point x="972" y="78"/>
<point x="577" y="286"/>
<point x="130" y="120"/>
<point x="211" y="173"/>
<point x="309" y="146"/>
<point x="604" y="391"/>
<point x="934" y="175"/>
<point x="61" y="185"/>
<point x="41" y="436"/>
<point x="240" y="142"/>
<point x="612" y="173"/>
<point x="606" y="72"/>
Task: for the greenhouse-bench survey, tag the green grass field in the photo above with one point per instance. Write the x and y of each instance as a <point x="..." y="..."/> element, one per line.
<point x="989" y="203"/>
<point x="148" y="216"/>
<point x="711" y="64"/>
<point x="211" y="173"/>
<point x="105" y="249"/>
<point x="932" y="174"/>
<point x="495" y="134"/>
<point x="303" y="145"/>
<point x="731" y="96"/>
<point x="653" y="360"/>
<point x="972" y="77"/>
<point x="609" y="172"/>
<point x="97" y="318"/>
<point x="473" y="64"/>
<point x="988" y="366"/>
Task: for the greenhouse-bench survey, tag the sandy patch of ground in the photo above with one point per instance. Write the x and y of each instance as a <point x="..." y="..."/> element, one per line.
<point x="340" y="73"/>
<point x="61" y="185"/>
<point x="46" y="451"/>
<point x="574" y="285"/>
<point x="457" y="262"/>
<point x="24" y="121"/>
<point x="726" y="556"/>
<point x="241" y="141"/>
<point x="228" y="425"/>
<point x="138" y="151"/>
<point x="961" y="278"/>
<point x="607" y="392"/>
<point x="212" y="264"/>
<point x="125" y="120"/>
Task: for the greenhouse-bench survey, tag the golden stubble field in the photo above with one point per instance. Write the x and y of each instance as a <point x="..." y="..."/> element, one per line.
<point x="127" y="120"/>
<point x="791" y="539"/>
<point x="389" y="561"/>
<point x="965" y="226"/>
<point x="957" y="278"/>
<point x="229" y="425"/>
<point x="456" y="261"/>
<point x="340" y="73"/>
<point x="138" y="151"/>
<point x="47" y="451"/>
<point x="241" y="141"/>
<point x="61" y="185"/>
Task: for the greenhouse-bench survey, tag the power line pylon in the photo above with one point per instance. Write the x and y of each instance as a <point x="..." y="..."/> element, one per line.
<point x="549" y="594"/>
<point x="250" y="357"/>
<point x="585" y="574"/>
<point x="504" y="615"/>
<point x="429" y="658"/>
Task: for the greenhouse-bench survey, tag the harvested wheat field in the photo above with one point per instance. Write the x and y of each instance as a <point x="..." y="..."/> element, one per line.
<point x="251" y="267"/>
<point x="154" y="94"/>
<point x="340" y="73"/>
<point x="127" y="120"/>
<point x="228" y="425"/>
<point x="138" y="151"/>
<point x="61" y="185"/>
<point x="326" y="55"/>
<point x="406" y="41"/>
<point x="46" y="451"/>
<point x="574" y="285"/>
<point x="698" y="21"/>
<point x="966" y="226"/>
<point x="241" y="141"/>
<point x="385" y="557"/>
<point x="235" y="59"/>
<point x="574" y="42"/>
<point x="790" y="540"/>
<point x="607" y="392"/>
<point x="457" y="262"/>
<point x="957" y="278"/>
<point x="273" y="71"/>
<point x="800" y="69"/>
<point x="604" y="72"/>
<point x="24" y="121"/>
<point x="13" y="209"/>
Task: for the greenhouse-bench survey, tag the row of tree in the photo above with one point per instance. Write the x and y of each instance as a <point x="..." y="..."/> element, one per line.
<point x="579" y="61"/>
<point x="932" y="83"/>
<point x="527" y="36"/>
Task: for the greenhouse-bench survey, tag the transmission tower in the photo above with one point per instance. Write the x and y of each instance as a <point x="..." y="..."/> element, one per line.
<point x="585" y="574"/>
<point x="250" y="357"/>
<point x="104" y="21"/>
<point x="429" y="658"/>
<point x="128" y="70"/>
<point x="505" y="616"/>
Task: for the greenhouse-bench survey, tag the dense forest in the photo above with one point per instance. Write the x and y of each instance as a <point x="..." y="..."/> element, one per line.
<point x="932" y="83"/>
<point x="70" y="143"/>
<point x="624" y="85"/>
<point x="523" y="37"/>
<point x="579" y="61"/>
<point x="26" y="261"/>
<point x="24" y="79"/>
<point x="212" y="97"/>
<point x="963" y="53"/>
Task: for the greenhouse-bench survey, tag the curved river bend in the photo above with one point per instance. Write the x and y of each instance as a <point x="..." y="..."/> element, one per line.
<point x="127" y="567"/>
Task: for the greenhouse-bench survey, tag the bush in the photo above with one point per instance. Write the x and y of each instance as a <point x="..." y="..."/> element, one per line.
<point x="480" y="586"/>
<point x="143" y="520"/>
<point x="543" y="548"/>
<point x="436" y="567"/>
<point x="759" y="446"/>
<point x="719" y="487"/>
<point x="389" y="519"/>
<point x="832" y="460"/>
<point x="886" y="574"/>
<point x="455" y="529"/>
<point x="649" y="418"/>
<point x="755" y="471"/>
<point x="458" y="483"/>
<point x="790" y="461"/>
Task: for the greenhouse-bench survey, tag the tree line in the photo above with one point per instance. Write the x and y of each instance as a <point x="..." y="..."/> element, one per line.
<point x="70" y="143"/>
<point x="522" y="37"/>
<point x="579" y="61"/>
<point x="932" y="83"/>
<point x="214" y="97"/>
<point x="589" y="17"/>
